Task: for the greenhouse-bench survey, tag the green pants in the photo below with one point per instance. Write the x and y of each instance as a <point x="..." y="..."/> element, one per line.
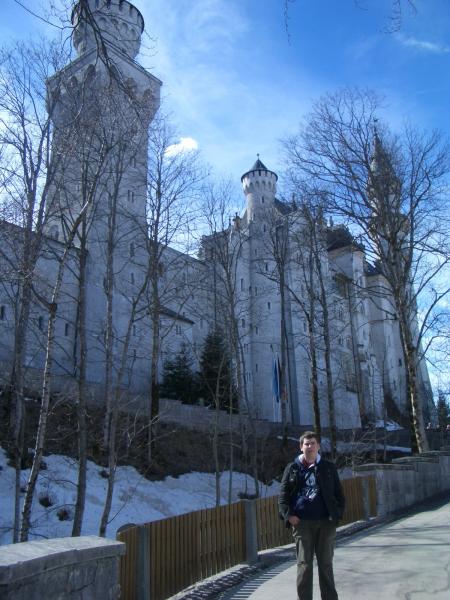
<point x="319" y="538"/>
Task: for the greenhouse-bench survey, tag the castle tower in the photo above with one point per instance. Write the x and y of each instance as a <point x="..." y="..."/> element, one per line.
<point x="260" y="186"/>
<point x="116" y="22"/>
<point x="101" y="105"/>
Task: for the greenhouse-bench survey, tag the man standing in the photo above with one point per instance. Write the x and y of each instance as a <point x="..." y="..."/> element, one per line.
<point x="311" y="501"/>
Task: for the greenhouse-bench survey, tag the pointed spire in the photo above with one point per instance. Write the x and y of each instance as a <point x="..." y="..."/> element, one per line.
<point x="259" y="166"/>
<point x="381" y="162"/>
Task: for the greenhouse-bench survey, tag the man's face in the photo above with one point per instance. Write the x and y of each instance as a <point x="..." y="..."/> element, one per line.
<point x="310" y="448"/>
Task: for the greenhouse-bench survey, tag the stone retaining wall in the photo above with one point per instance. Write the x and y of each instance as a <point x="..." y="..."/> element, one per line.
<point x="81" y="568"/>
<point x="408" y="480"/>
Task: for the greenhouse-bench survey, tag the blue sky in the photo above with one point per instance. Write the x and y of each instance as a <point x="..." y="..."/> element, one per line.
<point x="236" y="83"/>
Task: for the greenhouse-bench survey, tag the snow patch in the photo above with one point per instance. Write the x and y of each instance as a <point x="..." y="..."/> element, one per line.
<point x="135" y="500"/>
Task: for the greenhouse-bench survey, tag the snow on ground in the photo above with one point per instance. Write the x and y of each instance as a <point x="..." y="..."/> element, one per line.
<point x="135" y="500"/>
<point x="388" y="425"/>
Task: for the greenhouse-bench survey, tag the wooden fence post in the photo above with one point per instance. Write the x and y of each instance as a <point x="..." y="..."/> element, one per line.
<point x="143" y="564"/>
<point x="251" y="533"/>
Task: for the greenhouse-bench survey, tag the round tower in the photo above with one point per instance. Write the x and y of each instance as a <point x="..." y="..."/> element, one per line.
<point x="119" y="24"/>
<point x="260" y="186"/>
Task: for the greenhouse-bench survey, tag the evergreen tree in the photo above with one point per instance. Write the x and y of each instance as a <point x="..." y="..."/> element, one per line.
<point x="215" y="372"/>
<point x="442" y="410"/>
<point x="179" y="380"/>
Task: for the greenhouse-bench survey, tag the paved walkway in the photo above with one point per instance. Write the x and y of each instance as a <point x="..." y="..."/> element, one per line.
<point x="408" y="559"/>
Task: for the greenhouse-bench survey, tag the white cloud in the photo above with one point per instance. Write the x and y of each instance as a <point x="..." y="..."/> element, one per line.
<point x="186" y="144"/>
<point x="423" y="45"/>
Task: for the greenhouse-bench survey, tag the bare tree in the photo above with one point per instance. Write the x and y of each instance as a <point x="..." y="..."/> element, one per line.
<point x="26" y="177"/>
<point x="394" y="193"/>
<point x="174" y="174"/>
<point x="222" y="250"/>
<point x="310" y="250"/>
<point x="395" y="17"/>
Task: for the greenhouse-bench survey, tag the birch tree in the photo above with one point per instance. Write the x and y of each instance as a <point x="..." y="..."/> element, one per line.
<point x="27" y="174"/>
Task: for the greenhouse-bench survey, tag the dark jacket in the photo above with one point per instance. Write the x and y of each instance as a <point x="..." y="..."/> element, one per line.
<point x="330" y="488"/>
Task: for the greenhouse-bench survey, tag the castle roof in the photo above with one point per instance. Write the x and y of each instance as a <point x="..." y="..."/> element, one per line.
<point x="340" y="237"/>
<point x="283" y="207"/>
<point x="258" y="166"/>
<point x="168" y="312"/>
<point x="373" y="269"/>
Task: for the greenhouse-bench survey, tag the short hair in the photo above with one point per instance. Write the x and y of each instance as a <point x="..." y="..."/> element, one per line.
<point x="308" y="435"/>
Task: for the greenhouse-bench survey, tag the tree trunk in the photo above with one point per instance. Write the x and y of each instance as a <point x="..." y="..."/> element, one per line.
<point x="231" y="443"/>
<point x="154" y="387"/>
<point x="16" y="394"/>
<point x="42" y="427"/>
<point x="81" y="406"/>
<point x="45" y="399"/>
<point x="312" y="342"/>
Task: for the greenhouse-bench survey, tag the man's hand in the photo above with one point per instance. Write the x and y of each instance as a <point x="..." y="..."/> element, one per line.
<point x="293" y="520"/>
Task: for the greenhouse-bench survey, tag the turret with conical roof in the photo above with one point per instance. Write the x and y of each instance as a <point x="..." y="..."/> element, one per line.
<point x="260" y="186"/>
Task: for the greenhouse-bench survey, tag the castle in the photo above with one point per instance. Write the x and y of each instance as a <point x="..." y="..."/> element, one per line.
<point x="299" y="310"/>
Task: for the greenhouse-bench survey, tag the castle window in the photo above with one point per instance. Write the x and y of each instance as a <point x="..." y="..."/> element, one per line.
<point x="349" y="343"/>
<point x="40" y="323"/>
<point x="267" y="267"/>
<point x="400" y="362"/>
<point x="130" y="196"/>
<point x="131" y="249"/>
<point x="133" y="161"/>
<point x="132" y="278"/>
<point x="134" y="353"/>
<point x="262" y="199"/>
<point x="178" y="329"/>
<point x="242" y="322"/>
<point x="268" y="305"/>
<point x="242" y="285"/>
<point x="66" y="329"/>
<point x="134" y="330"/>
<point x="256" y="367"/>
<point x="256" y="330"/>
<point x="256" y="251"/>
<point x="264" y="228"/>
<point x="256" y="291"/>
<point x="341" y="286"/>
<point x="2" y="313"/>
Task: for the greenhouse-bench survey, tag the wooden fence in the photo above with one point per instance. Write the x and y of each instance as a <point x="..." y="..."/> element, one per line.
<point x="174" y="553"/>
